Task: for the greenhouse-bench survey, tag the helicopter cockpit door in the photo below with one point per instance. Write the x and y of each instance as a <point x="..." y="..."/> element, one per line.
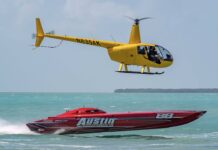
<point x="143" y="50"/>
<point x="153" y="55"/>
<point x="150" y="53"/>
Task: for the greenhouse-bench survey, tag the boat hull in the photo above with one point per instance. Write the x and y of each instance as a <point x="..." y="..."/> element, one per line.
<point x="106" y="122"/>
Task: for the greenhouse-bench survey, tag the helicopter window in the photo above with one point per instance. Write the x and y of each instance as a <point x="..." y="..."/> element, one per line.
<point x="153" y="55"/>
<point x="141" y="50"/>
<point x="164" y="53"/>
<point x="159" y="53"/>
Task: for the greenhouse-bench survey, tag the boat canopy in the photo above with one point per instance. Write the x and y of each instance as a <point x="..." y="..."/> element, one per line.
<point x="81" y="111"/>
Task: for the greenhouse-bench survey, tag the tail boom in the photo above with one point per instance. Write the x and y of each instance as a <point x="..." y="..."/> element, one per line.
<point x="100" y="43"/>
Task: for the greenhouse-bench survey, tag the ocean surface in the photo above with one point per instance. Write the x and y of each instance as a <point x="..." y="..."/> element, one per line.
<point x="17" y="109"/>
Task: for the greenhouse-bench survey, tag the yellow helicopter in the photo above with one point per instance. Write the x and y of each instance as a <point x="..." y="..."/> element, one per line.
<point x="132" y="53"/>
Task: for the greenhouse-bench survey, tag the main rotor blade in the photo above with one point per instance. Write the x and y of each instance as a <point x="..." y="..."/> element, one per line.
<point x="130" y="18"/>
<point x="137" y="20"/>
<point x="144" y="18"/>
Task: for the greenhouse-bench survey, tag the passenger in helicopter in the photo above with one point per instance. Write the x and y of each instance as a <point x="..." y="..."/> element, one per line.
<point x="141" y="50"/>
<point x="153" y="55"/>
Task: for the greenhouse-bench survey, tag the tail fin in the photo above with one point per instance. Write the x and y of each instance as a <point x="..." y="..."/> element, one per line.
<point x="39" y="33"/>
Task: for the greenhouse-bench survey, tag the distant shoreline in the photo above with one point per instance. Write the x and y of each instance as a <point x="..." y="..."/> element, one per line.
<point x="203" y="90"/>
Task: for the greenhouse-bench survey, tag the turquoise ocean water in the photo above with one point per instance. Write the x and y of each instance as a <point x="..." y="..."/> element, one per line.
<point x="16" y="109"/>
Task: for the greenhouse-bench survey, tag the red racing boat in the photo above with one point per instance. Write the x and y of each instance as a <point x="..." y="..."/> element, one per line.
<point x="92" y="120"/>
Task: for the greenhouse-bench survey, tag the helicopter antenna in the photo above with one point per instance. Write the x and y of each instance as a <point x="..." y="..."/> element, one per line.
<point x="45" y="46"/>
<point x="137" y="20"/>
<point x="113" y="38"/>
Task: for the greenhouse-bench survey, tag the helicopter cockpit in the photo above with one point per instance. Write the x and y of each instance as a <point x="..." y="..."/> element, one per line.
<point x="164" y="53"/>
<point x="155" y="53"/>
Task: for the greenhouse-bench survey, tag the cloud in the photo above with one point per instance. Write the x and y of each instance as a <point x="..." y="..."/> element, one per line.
<point x="25" y="9"/>
<point x="86" y="9"/>
<point x="90" y="16"/>
<point x="17" y="12"/>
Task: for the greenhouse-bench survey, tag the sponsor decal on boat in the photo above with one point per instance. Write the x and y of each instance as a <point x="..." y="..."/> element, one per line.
<point x="164" y="116"/>
<point x="96" y="122"/>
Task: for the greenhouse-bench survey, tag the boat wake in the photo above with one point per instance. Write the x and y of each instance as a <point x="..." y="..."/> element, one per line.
<point x="125" y="136"/>
<point x="135" y="136"/>
<point x="213" y="135"/>
<point x="13" y="128"/>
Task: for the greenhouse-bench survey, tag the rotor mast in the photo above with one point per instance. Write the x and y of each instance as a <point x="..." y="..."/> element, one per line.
<point x="135" y="31"/>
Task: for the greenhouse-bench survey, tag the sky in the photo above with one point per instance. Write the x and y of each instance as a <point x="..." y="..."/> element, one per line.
<point x="188" y="29"/>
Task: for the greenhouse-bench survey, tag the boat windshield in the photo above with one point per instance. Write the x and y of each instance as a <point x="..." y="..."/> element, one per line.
<point x="94" y="111"/>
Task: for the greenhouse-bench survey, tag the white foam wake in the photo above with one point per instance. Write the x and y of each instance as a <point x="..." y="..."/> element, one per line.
<point x="13" y="128"/>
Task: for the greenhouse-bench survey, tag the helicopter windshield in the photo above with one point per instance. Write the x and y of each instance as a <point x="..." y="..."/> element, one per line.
<point x="164" y="53"/>
<point x="155" y="53"/>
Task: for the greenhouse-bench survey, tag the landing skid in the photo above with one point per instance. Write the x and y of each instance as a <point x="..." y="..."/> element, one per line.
<point x="138" y="72"/>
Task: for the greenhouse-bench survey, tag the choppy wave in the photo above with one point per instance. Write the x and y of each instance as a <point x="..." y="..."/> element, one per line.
<point x="196" y="136"/>
<point x="71" y="146"/>
<point x="13" y="128"/>
<point x="213" y="135"/>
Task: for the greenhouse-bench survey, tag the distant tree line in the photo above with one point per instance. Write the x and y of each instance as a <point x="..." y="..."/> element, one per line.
<point x="205" y="90"/>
